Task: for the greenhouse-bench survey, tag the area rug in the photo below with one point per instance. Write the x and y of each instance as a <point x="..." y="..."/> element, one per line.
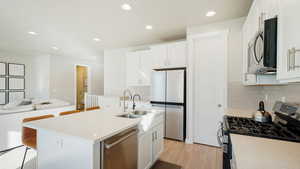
<point x="165" y="165"/>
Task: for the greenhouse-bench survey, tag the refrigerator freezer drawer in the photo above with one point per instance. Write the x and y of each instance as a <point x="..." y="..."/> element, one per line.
<point x="174" y="122"/>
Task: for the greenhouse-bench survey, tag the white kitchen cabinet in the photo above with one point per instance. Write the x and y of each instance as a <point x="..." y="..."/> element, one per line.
<point x="146" y="64"/>
<point x="159" y="55"/>
<point x="138" y="68"/>
<point x="145" y="150"/>
<point x="264" y="9"/>
<point x="171" y="55"/>
<point x="158" y="141"/>
<point x="151" y="145"/>
<point x="177" y="53"/>
<point x="132" y="68"/>
<point x="289" y="41"/>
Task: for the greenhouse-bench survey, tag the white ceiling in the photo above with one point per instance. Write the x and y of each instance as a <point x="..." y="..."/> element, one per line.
<point x="71" y="25"/>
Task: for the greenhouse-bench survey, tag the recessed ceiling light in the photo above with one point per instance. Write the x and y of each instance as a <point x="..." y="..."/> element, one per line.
<point x="211" y="13"/>
<point x="32" y="33"/>
<point x="126" y="7"/>
<point x="149" y="27"/>
<point x="97" y="39"/>
<point x="55" y="48"/>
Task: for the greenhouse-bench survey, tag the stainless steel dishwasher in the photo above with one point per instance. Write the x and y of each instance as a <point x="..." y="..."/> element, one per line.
<point x="121" y="151"/>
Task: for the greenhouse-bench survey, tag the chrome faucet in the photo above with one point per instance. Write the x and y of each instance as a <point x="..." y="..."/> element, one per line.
<point x="124" y="96"/>
<point x="134" y="105"/>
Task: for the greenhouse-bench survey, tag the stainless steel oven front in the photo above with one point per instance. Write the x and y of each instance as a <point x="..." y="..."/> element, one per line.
<point x="225" y="143"/>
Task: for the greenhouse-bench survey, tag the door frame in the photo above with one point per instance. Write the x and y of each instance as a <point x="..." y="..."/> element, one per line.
<point x="190" y="137"/>
<point x="75" y="80"/>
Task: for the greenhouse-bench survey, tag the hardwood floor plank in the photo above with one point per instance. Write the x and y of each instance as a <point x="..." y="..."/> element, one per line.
<point x="192" y="156"/>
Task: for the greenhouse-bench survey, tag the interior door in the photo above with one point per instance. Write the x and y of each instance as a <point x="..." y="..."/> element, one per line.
<point x="210" y="52"/>
<point x="81" y="85"/>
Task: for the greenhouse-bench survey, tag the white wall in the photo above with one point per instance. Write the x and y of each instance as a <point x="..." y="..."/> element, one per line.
<point x="62" y="76"/>
<point x="36" y="79"/>
<point x="54" y="76"/>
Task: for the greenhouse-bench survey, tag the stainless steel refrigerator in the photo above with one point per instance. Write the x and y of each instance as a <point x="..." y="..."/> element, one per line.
<point x="168" y="93"/>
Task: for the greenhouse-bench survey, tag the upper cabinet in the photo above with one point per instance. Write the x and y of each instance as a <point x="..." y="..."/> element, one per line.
<point x="254" y="72"/>
<point x="138" y="68"/>
<point x="159" y="55"/>
<point x="177" y="54"/>
<point x="140" y="64"/>
<point x="289" y="41"/>
<point x="172" y="55"/>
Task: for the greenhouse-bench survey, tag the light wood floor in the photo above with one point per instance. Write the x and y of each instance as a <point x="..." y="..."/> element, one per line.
<point x="192" y="156"/>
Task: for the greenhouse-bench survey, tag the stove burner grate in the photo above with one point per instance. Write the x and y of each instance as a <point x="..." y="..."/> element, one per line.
<point x="247" y="126"/>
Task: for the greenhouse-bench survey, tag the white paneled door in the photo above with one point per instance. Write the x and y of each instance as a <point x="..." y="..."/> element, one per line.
<point x="210" y="85"/>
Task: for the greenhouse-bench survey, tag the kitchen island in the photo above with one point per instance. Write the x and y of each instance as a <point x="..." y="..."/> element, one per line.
<point x="76" y="141"/>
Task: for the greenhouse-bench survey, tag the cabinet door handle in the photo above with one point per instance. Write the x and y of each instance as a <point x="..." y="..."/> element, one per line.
<point x="153" y="138"/>
<point x="292" y="59"/>
<point x="156" y="135"/>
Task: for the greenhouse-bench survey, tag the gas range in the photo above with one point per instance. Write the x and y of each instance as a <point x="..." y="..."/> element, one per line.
<point x="249" y="127"/>
<point x="286" y="127"/>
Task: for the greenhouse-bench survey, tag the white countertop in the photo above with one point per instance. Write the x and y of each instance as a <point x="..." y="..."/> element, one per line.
<point x="262" y="153"/>
<point x="94" y="125"/>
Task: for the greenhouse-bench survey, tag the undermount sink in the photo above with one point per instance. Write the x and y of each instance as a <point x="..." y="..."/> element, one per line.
<point x="139" y="113"/>
<point x="134" y="114"/>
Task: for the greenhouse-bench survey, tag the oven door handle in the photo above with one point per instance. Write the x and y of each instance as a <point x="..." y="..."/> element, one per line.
<point x="220" y="134"/>
<point x="108" y="146"/>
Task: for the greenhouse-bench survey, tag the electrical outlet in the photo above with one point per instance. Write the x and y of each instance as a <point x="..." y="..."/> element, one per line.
<point x="283" y="99"/>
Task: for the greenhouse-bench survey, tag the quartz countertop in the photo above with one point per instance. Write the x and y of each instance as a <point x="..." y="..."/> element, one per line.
<point x="94" y="125"/>
<point x="262" y="153"/>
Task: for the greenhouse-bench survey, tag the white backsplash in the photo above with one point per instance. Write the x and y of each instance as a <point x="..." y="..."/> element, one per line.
<point x="248" y="97"/>
<point x="143" y="91"/>
<point x="288" y="93"/>
<point x="243" y="97"/>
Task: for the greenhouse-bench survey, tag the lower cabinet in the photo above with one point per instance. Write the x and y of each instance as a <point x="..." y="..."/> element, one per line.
<point x="158" y="141"/>
<point x="150" y="146"/>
